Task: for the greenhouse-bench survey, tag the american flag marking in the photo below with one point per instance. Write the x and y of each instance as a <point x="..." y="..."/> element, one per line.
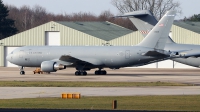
<point x="161" y="25"/>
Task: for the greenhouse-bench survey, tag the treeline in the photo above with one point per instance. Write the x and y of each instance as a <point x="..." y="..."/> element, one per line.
<point x="26" y="17"/>
<point x="193" y="18"/>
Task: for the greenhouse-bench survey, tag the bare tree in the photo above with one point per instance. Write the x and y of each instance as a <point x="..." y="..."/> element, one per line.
<point x="26" y="17"/>
<point x="105" y="16"/>
<point x="82" y="16"/>
<point x="39" y="15"/>
<point x="157" y="7"/>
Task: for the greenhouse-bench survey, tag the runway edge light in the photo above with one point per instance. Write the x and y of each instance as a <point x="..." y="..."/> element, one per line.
<point x="76" y="95"/>
<point x="64" y="96"/>
<point x="70" y="95"/>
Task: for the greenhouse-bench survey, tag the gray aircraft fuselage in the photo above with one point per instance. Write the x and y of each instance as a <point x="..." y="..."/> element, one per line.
<point x="101" y="56"/>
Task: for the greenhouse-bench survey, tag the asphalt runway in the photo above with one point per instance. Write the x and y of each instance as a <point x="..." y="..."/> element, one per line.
<point x="123" y="75"/>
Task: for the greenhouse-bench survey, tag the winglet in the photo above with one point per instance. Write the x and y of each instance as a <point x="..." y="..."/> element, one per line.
<point x="157" y="37"/>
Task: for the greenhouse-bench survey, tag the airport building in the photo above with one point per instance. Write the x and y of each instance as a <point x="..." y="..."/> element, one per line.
<point x="94" y="34"/>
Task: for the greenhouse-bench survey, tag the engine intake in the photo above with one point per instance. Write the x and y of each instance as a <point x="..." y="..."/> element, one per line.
<point x="50" y="66"/>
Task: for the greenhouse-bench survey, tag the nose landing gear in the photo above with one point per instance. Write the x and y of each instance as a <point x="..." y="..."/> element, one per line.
<point x="22" y="70"/>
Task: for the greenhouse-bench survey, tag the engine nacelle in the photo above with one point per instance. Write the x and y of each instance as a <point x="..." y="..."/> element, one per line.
<point x="50" y="66"/>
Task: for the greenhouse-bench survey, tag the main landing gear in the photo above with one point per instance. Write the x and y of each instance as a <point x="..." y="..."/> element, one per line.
<point x="22" y="70"/>
<point x="100" y="72"/>
<point x="79" y="73"/>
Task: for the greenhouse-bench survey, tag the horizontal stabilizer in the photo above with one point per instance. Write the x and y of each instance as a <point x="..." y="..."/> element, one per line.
<point x="136" y="13"/>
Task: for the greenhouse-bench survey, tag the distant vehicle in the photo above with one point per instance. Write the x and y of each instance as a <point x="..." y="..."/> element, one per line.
<point x="84" y="58"/>
<point x="144" y="21"/>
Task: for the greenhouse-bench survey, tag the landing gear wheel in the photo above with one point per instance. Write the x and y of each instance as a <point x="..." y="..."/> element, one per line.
<point x="104" y="72"/>
<point x="78" y="73"/>
<point x="99" y="72"/>
<point x="22" y="72"/>
<point x="84" y="73"/>
<point x="96" y="72"/>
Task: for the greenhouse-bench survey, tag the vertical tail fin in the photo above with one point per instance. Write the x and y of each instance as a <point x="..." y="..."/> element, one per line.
<point x="157" y="37"/>
<point x="144" y="21"/>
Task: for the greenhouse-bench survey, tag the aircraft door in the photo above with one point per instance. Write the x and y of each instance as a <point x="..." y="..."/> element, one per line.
<point x="127" y="54"/>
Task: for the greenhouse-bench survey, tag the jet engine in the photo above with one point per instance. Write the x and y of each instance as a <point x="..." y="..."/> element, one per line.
<point x="50" y="66"/>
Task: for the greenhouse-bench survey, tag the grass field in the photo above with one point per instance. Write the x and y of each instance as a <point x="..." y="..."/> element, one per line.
<point x="85" y="84"/>
<point x="161" y="103"/>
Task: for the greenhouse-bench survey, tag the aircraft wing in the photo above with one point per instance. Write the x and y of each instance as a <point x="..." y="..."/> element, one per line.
<point x="74" y="60"/>
<point x="70" y="59"/>
<point x="155" y="53"/>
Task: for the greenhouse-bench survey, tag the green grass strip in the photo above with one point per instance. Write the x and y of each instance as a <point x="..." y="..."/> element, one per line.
<point x="161" y="103"/>
<point x="85" y="84"/>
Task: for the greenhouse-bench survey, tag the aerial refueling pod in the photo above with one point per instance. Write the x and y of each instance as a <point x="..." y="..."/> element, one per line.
<point x="50" y="66"/>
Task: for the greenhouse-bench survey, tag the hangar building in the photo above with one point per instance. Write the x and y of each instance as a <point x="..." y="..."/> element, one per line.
<point x="93" y="34"/>
<point x="70" y="34"/>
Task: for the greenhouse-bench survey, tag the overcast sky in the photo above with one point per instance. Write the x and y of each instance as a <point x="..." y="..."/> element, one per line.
<point x="189" y="7"/>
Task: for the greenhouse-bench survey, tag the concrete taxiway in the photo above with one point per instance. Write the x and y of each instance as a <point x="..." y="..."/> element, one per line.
<point x="36" y="92"/>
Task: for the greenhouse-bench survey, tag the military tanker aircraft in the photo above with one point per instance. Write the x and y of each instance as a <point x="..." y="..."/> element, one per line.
<point x="85" y="58"/>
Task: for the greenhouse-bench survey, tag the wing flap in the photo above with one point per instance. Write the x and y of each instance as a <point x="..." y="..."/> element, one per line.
<point x="154" y="53"/>
<point x="74" y="60"/>
<point x="70" y="59"/>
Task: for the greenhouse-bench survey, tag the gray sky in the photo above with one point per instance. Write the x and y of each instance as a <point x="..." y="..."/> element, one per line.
<point x="189" y="7"/>
<point x="68" y="6"/>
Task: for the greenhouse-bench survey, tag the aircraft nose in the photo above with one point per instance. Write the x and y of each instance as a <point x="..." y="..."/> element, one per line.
<point x="8" y="58"/>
